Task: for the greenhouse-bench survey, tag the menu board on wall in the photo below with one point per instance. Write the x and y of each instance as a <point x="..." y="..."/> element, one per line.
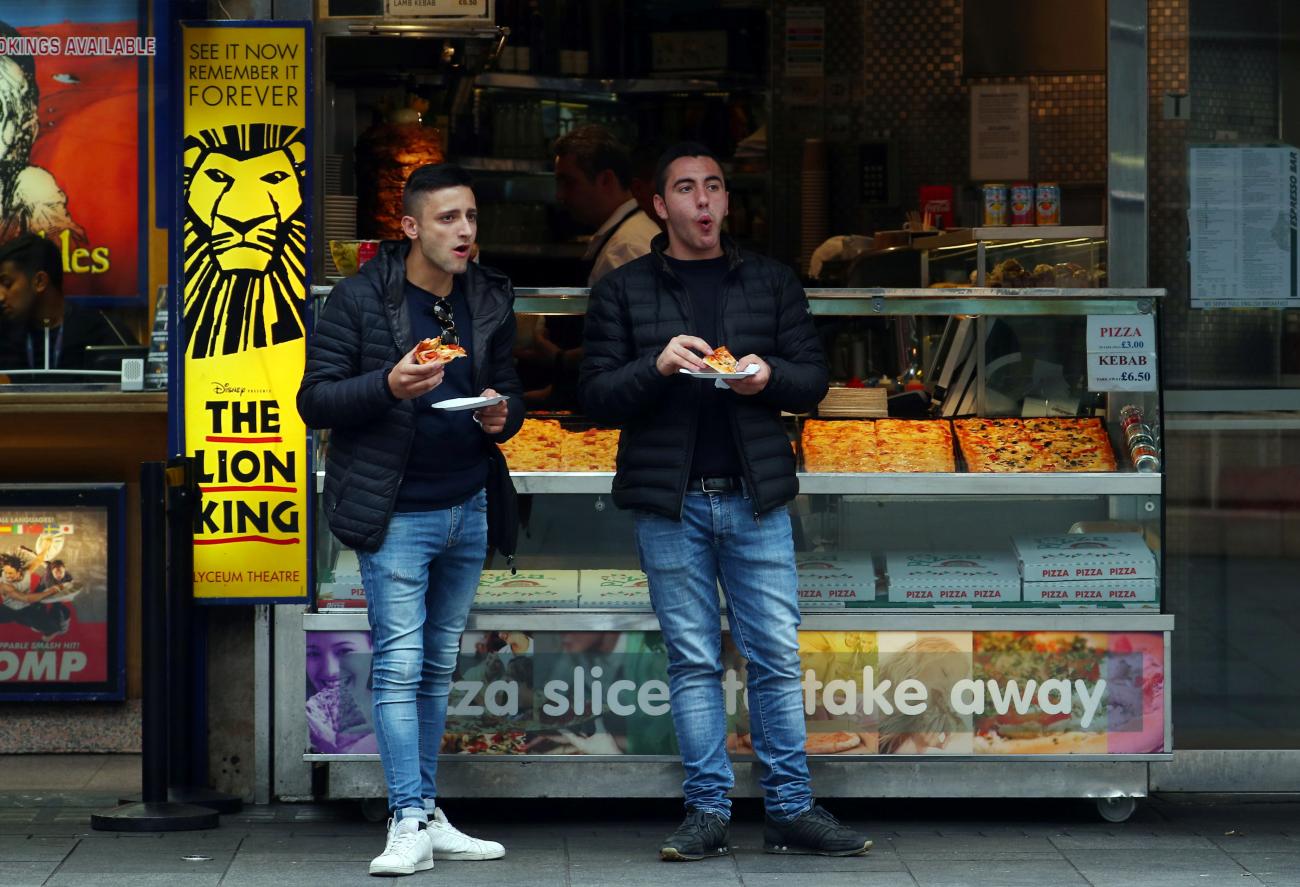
<point x="999" y="132"/>
<point x="1242" y="217"/>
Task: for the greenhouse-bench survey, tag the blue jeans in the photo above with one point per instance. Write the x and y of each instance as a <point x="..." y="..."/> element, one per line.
<point x="419" y="588"/>
<point x="719" y="539"/>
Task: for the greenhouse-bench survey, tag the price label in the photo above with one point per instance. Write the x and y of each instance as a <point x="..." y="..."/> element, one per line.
<point x="1122" y="332"/>
<point x="1112" y="371"/>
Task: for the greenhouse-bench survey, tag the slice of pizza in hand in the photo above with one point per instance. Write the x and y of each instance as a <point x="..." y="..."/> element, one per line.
<point x="721" y="360"/>
<point x="430" y="350"/>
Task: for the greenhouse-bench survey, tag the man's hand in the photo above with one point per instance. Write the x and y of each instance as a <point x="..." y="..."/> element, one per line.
<point x="411" y="379"/>
<point x="755" y="383"/>
<point x="682" y="353"/>
<point x="492" y="419"/>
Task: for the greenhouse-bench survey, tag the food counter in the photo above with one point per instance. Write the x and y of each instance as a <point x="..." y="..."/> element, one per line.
<point x="980" y="584"/>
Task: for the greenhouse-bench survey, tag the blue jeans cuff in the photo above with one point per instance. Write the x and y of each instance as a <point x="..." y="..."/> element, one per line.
<point x="415" y="813"/>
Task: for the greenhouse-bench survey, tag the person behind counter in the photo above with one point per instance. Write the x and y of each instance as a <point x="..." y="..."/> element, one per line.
<point x="708" y="472"/>
<point x="405" y="482"/>
<point x="38" y="328"/>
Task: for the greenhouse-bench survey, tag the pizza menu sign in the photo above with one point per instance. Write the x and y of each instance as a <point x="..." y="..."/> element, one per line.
<point x="1122" y="352"/>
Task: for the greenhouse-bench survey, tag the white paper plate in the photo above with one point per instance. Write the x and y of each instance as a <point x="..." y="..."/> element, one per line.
<point x="467" y="403"/>
<point x="714" y="374"/>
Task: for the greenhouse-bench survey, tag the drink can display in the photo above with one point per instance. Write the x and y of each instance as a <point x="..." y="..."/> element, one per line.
<point x="1130" y="420"/>
<point x="1141" y="439"/>
<point x="1130" y="409"/>
<point x="1022" y="203"/>
<point x="1048" y="203"/>
<point x="995" y="205"/>
<point x="1133" y="428"/>
<point x="1146" y="459"/>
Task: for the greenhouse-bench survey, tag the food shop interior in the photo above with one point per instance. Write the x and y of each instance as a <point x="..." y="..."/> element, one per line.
<point x="984" y="479"/>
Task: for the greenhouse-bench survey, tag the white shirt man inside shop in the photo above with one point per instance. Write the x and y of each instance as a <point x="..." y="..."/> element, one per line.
<point x="593" y="175"/>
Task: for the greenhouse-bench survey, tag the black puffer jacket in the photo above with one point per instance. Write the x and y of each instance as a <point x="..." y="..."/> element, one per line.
<point x="362" y="333"/>
<point x="633" y="313"/>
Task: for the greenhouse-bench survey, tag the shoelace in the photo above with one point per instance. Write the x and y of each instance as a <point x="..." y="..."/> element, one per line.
<point x="400" y="840"/>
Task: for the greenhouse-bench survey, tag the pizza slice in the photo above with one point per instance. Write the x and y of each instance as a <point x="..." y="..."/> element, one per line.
<point x="721" y="360"/>
<point x="430" y="350"/>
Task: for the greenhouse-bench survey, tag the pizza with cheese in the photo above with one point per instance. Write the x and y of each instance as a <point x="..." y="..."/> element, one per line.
<point x="880" y="445"/>
<point x="721" y="360"/>
<point x="1035" y="445"/>
<point x="595" y="449"/>
<point x="907" y="445"/>
<point x="840" y="445"/>
<point x="430" y="350"/>
<point x="537" y="446"/>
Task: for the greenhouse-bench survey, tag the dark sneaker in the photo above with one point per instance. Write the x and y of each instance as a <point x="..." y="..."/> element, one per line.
<point x="814" y="832"/>
<point x="701" y="834"/>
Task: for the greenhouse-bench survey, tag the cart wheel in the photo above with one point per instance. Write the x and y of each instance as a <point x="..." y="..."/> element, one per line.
<point x="374" y="809"/>
<point x="1116" y="809"/>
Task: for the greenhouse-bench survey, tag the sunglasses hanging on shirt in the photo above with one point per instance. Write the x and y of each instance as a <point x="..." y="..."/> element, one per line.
<point x="442" y="313"/>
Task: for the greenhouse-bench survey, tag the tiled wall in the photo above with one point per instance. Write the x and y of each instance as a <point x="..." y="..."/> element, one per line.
<point x="898" y="64"/>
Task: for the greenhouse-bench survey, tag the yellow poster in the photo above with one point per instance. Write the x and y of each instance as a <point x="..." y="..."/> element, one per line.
<point x="244" y="286"/>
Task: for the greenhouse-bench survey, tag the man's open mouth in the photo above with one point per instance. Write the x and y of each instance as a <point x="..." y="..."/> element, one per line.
<point x="462" y="251"/>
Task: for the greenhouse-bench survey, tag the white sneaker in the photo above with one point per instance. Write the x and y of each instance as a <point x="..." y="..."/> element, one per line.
<point x="451" y="843"/>
<point x="408" y="849"/>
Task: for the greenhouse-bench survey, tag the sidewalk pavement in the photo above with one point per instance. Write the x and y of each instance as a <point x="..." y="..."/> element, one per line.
<point x="1171" y="841"/>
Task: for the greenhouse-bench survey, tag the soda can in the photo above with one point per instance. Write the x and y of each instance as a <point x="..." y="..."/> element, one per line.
<point x="1048" y="204"/>
<point x="1129" y="409"/>
<point x="1141" y="439"/>
<point x="1022" y="203"/>
<point x="995" y="205"/>
<point x="1137" y="428"/>
<point x="1146" y="459"/>
<point x="1129" y="422"/>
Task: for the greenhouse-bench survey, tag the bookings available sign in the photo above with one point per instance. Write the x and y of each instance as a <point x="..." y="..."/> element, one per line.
<point x="243" y="265"/>
<point x="864" y="693"/>
<point x="72" y="76"/>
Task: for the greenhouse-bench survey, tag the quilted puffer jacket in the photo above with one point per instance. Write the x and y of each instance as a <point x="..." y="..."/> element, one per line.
<point x="633" y="313"/>
<point x="361" y="334"/>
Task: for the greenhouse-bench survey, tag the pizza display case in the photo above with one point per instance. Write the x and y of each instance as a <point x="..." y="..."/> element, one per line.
<point x="978" y="547"/>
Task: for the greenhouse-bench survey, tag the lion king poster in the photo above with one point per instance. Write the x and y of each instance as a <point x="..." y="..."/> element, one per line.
<point x="244" y="281"/>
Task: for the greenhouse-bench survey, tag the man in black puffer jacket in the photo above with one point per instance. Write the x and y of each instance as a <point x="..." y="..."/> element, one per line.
<point x="708" y="471"/>
<point x="405" y="477"/>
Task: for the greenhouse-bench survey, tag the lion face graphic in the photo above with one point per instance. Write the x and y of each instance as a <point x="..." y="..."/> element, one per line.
<point x="245" y="238"/>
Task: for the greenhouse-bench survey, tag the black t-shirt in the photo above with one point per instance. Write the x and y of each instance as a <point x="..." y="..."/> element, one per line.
<point x="448" y="461"/>
<point x="715" y="446"/>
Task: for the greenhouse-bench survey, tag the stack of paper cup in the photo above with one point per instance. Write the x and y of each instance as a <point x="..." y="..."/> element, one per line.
<point x="813" y="221"/>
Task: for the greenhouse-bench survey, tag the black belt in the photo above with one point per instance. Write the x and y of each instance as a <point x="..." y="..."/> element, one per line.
<point x="715" y="484"/>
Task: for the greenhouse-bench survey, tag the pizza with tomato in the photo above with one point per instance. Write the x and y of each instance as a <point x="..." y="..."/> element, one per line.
<point x="430" y="350"/>
<point x="1035" y="445"/>
<point x="721" y="360"/>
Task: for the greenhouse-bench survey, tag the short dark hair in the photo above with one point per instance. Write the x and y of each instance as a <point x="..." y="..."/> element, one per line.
<point x="32" y="253"/>
<point x="58" y="563"/>
<point x="595" y="149"/>
<point x="677" y="152"/>
<point x="11" y="560"/>
<point x="429" y="178"/>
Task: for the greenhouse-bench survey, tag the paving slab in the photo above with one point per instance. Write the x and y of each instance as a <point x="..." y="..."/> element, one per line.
<point x="831" y="879"/>
<point x="20" y="848"/>
<point x="878" y="860"/>
<point x="1163" y="868"/>
<point x="26" y="873"/>
<point x="1000" y="872"/>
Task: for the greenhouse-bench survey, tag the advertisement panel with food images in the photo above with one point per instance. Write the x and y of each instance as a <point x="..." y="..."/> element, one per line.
<point x="864" y="693"/>
<point x="243" y="262"/>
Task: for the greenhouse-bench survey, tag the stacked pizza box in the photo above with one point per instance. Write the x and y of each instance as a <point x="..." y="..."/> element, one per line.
<point x="501" y="589"/>
<point x="1081" y="568"/>
<point x="835" y="581"/>
<point x="341" y="589"/>
<point x="952" y="578"/>
<point x="613" y="589"/>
